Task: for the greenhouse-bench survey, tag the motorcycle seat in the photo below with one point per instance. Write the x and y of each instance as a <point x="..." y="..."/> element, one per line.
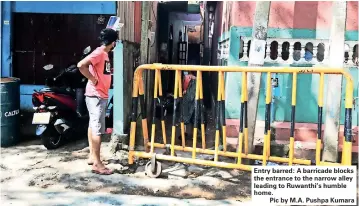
<point x="59" y="91"/>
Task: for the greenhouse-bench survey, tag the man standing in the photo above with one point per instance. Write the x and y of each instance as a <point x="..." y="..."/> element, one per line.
<point x="97" y="69"/>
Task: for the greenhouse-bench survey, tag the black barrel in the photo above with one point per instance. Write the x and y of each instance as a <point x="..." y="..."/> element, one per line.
<point x="10" y="111"/>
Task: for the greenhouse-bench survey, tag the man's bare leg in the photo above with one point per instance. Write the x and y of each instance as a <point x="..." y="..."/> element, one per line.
<point x="91" y="156"/>
<point x="96" y="147"/>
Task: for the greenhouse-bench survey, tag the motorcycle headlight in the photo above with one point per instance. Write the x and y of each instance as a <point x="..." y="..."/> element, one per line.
<point x="51" y="107"/>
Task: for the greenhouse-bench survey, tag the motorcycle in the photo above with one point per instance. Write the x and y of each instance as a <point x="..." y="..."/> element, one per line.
<point x="59" y="106"/>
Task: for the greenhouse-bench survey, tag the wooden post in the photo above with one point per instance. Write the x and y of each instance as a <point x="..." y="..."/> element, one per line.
<point x="145" y="8"/>
<point x="256" y="58"/>
<point x="333" y="91"/>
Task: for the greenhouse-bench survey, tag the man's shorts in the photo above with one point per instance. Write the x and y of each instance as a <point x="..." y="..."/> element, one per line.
<point x="97" y="112"/>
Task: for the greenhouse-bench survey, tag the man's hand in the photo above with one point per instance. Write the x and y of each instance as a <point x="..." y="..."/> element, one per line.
<point x="83" y="66"/>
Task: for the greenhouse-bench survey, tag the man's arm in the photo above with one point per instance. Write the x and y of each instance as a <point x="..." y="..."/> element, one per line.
<point x="83" y="66"/>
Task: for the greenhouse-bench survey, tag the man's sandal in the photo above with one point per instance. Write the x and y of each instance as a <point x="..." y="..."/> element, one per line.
<point x="103" y="171"/>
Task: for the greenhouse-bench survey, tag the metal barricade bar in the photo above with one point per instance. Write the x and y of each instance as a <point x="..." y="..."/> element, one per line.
<point x="220" y="117"/>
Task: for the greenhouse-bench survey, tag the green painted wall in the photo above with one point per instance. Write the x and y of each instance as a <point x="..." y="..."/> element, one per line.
<point x="289" y="33"/>
<point x="308" y="85"/>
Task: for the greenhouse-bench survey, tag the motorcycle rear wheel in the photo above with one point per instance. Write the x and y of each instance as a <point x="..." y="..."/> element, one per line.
<point x="51" y="139"/>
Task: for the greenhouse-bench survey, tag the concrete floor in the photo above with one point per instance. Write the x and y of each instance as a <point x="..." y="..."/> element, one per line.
<point x="32" y="175"/>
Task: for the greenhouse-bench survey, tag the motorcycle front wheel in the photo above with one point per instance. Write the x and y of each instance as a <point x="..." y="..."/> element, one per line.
<point x="51" y="139"/>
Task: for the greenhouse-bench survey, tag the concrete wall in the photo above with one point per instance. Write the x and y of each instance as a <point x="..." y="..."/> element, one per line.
<point x="291" y="20"/>
<point x="53" y="7"/>
<point x="352" y="16"/>
<point x="285" y="21"/>
<point x="309" y="19"/>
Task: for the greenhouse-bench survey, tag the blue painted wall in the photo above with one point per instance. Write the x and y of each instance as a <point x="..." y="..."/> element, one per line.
<point x="65" y="7"/>
<point x="307" y="84"/>
<point x="53" y="7"/>
<point x="118" y="88"/>
<point x="6" y="58"/>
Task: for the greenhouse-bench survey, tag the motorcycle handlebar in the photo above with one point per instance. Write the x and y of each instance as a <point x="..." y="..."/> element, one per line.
<point x="68" y="69"/>
<point x="58" y="76"/>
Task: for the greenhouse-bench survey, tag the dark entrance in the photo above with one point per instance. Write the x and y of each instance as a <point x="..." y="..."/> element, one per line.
<point x="58" y="39"/>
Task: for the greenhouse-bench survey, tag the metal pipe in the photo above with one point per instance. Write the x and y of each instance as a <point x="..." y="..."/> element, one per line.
<point x="180" y="98"/>
<point x="143" y="114"/>
<point x="195" y="161"/>
<point x="274" y="97"/>
<point x="348" y="136"/>
<point x="175" y="92"/>
<point x="133" y="119"/>
<point x="245" y="117"/>
<point x="196" y="112"/>
<point x="138" y="91"/>
<point x="160" y="96"/>
<point x="299" y="70"/>
<point x="203" y="129"/>
<point x="266" y="146"/>
<point x="318" y="146"/>
<point x="241" y="126"/>
<point x="218" y="106"/>
<point x="222" y="114"/>
<point x="155" y="99"/>
<point x="235" y="154"/>
<point x="292" y="122"/>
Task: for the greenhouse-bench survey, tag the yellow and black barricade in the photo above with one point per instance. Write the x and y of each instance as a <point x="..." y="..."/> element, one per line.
<point x="153" y="167"/>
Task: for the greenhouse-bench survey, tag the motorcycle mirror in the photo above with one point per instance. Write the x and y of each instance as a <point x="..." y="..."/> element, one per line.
<point x="87" y="50"/>
<point x="48" y="67"/>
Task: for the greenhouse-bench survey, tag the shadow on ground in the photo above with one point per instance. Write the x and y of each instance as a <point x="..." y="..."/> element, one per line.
<point x="29" y="166"/>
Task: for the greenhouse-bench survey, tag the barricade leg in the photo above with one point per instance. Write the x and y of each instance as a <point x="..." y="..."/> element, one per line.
<point x="245" y="117"/>
<point x="203" y="129"/>
<point x="292" y="122"/>
<point x="155" y="100"/>
<point x="133" y="119"/>
<point x="180" y="98"/>
<point x="223" y="117"/>
<point x="173" y="139"/>
<point x="143" y="115"/>
<point x="269" y="102"/>
<point x="216" y="143"/>
<point x="266" y="145"/>
<point x="241" y="125"/>
<point x="160" y="95"/>
<point x="318" y="146"/>
<point x="347" y="143"/>
<point x="196" y="112"/>
<point x="242" y="151"/>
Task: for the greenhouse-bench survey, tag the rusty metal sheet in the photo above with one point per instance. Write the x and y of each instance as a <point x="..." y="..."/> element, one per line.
<point x="137" y="22"/>
<point x="126" y="10"/>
